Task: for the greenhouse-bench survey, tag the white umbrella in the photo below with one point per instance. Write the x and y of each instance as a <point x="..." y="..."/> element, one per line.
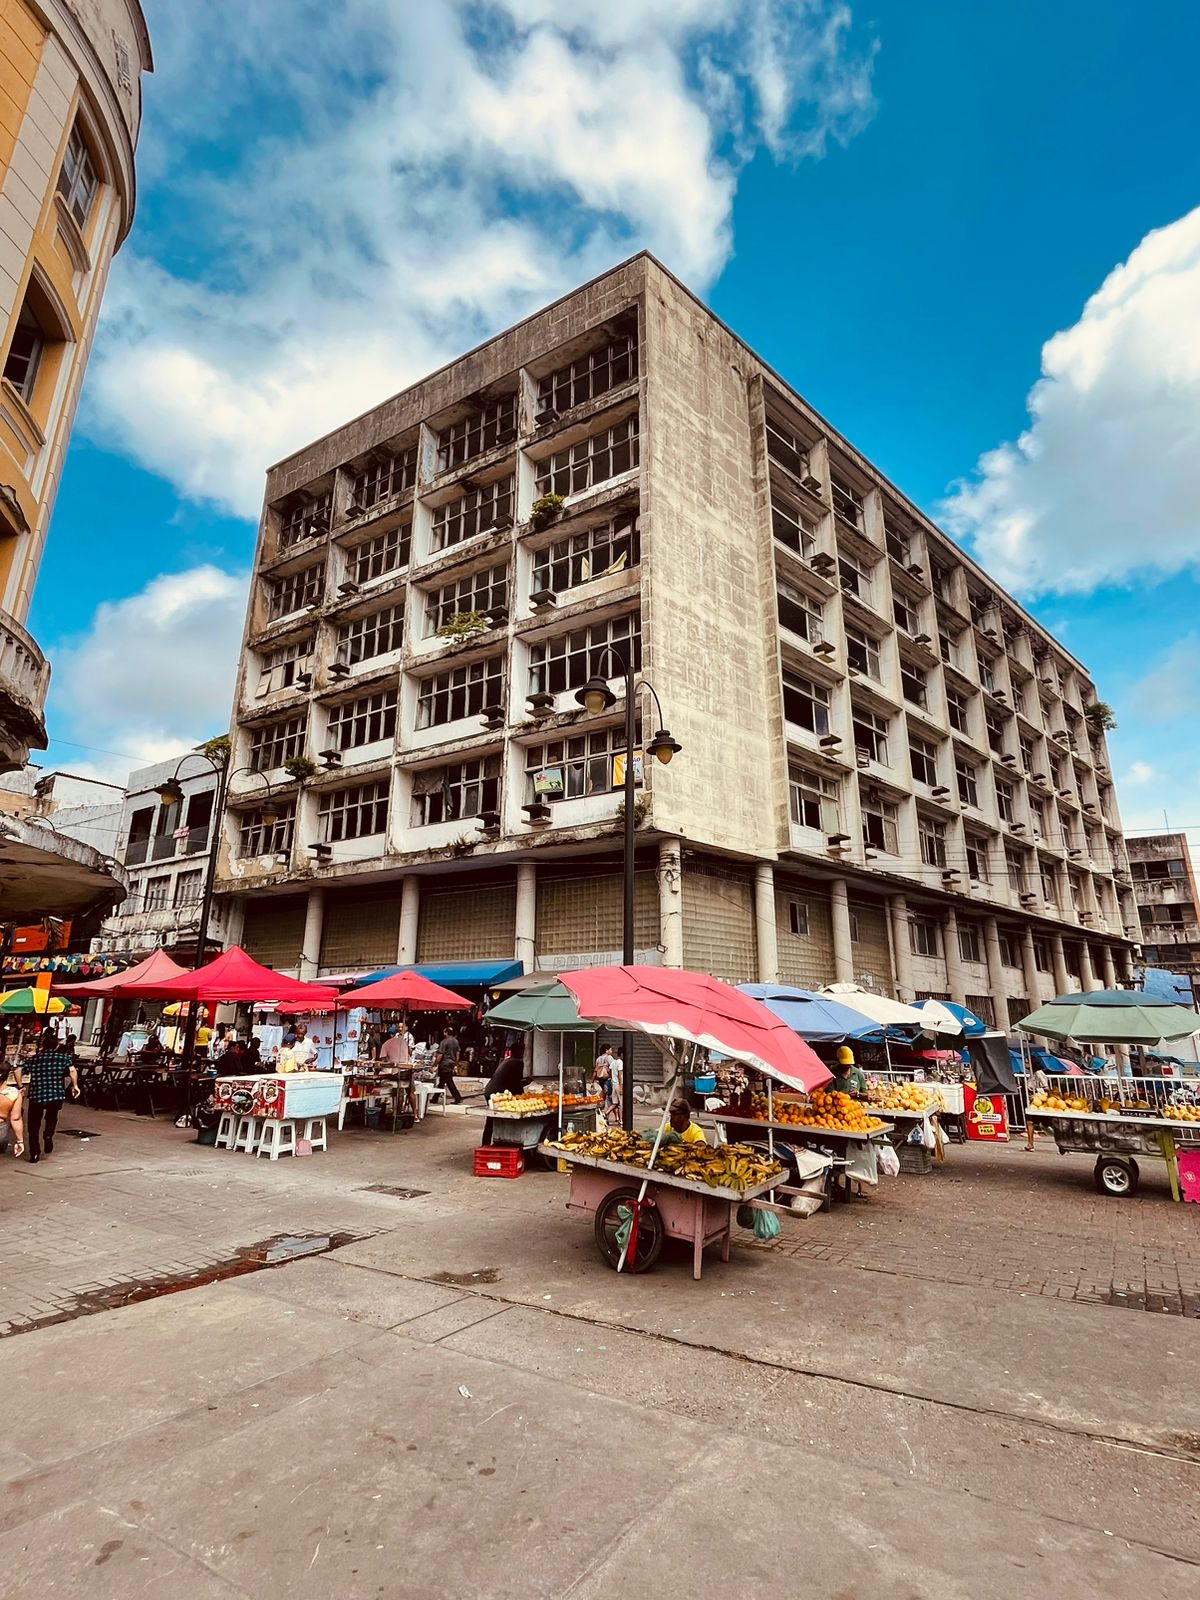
<point x="887" y="1013"/>
<point x="936" y="1019"/>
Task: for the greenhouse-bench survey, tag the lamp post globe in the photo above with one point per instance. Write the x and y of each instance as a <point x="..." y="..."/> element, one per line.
<point x="595" y="696"/>
<point x="663" y="747"/>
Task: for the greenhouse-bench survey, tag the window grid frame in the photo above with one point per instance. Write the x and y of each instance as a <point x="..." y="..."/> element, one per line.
<point x="459" y="692"/>
<point x="373" y="716"/>
<point x="583" y="655"/>
<point x="471" y="513"/>
<point x="359" y="811"/>
<point x="593" y="460"/>
<point x="590" y="375"/>
<point x="485" y="429"/>
<point x="555" y="565"/>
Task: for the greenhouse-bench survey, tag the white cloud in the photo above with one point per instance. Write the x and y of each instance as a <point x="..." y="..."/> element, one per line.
<point x="1104" y="485"/>
<point x="338" y="205"/>
<point x="1140" y="772"/>
<point x="153" y="675"/>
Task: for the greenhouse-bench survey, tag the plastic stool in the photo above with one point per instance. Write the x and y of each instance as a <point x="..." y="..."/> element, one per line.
<point x="315" y="1133"/>
<point x="225" y="1131"/>
<point x="437" y="1094"/>
<point x="246" y="1137"/>
<point x="278" y="1138"/>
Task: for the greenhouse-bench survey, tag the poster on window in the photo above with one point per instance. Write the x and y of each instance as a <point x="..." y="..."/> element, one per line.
<point x="548" y="781"/>
<point x="618" y="768"/>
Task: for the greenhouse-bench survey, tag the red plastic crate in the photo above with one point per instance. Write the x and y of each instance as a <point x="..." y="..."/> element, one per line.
<point x="499" y="1161"/>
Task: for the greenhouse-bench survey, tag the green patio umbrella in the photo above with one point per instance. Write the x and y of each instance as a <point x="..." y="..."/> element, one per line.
<point x="544" y="1008"/>
<point x="1111" y="1016"/>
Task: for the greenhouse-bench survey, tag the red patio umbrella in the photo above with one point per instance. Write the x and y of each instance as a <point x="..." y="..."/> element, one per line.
<point x="234" y="975"/>
<point x="135" y="983"/>
<point x="406" y="991"/>
<point x="690" y="1006"/>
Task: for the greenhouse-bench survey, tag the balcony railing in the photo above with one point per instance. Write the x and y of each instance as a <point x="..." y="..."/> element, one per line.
<point x="24" y="681"/>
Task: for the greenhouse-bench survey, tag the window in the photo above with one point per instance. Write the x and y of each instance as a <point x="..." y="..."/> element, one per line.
<point x="276" y="742"/>
<point x="912" y="682"/>
<point x="596" y="373"/>
<point x="353" y="813"/>
<point x="967" y="775"/>
<point x="199" y="819"/>
<point x="943" y="580"/>
<point x="568" y="660"/>
<point x="958" y="712"/>
<point x="870" y="735"/>
<point x="1058" y="772"/>
<point x="386" y="552"/>
<point x="994" y="723"/>
<point x="847" y="502"/>
<point x="383" y="477"/>
<point x="157" y="893"/>
<point x="77" y="180"/>
<point x="987" y="673"/>
<point x="306" y="518"/>
<point x="855" y="930"/>
<point x="363" y="638"/>
<point x="968" y="942"/>
<point x="1010" y="952"/>
<point x="813" y="799"/>
<point x="280" y="667"/>
<point x="296" y="592"/>
<point x="257" y="838"/>
<point x="481" y="592"/>
<point x="948" y="649"/>
<point x="798" y="918"/>
<point x="189" y="889"/>
<point x="460" y="692"/>
<point x="898" y="540"/>
<point x="1005" y="801"/>
<point x="924" y="936"/>
<point x="932" y="837"/>
<point x="490" y="425"/>
<point x="569" y="769"/>
<point x="1038" y="815"/>
<point x="980" y="605"/>
<point x="1014" y="866"/>
<point x="364" y="721"/>
<point x="788" y="448"/>
<point x="791" y="526"/>
<point x="981" y="1005"/>
<point x="137" y="846"/>
<point x="798" y="614"/>
<point x="1018" y="698"/>
<point x="905" y="615"/>
<point x="854" y="580"/>
<point x="593" y="460"/>
<point x="1025" y="748"/>
<point x="862" y="653"/>
<point x="879" y="828"/>
<point x="979" y="858"/>
<point x="29" y="341"/>
<point x="593" y="553"/>
<point x="805" y="703"/>
<point x="473" y="512"/>
<point x="923" y="757"/>
<point x="1049" y="886"/>
<point x="462" y="789"/>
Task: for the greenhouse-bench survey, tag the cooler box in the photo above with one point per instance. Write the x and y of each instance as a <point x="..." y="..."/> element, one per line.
<point x="281" y="1094"/>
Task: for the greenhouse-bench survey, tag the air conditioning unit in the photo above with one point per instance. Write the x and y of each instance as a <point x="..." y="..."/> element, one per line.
<point x="339" y="669"/>
<point x="536" y="811"/>
<point x="922" y="638"/>
<point x="545" y="416"/>
<point x="355" y="508"/>
<point x="825" y="648"/>
<point x="304" y="680"/>
<point x="542" y="599"/>
<point x="1028" y="899"/>
<point x="540" y="705"/>
<point x="862" y="758"/>
<point x="489" y="823"/>
<point x="822" y="563"/>
<point x="830" y="741"/>
<point x="500" y="523"/>
<point x="498" y="616"/>
<point x="347" y="588"/>
<point x="940" y="792"/>
<point x="492" y="718"/>
<point x="332" y="759"/>
<point x="813" y="485"/>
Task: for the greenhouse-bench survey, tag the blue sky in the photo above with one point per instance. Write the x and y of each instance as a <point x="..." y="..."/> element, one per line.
<point x="913" y="212"/>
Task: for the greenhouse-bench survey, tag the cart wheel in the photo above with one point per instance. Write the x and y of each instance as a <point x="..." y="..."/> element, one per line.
<point x="1116" y="1176"/>
<point x="651" y="1232"/>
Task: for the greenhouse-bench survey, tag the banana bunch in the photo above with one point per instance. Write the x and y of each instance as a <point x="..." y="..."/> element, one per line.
<point x="725" y="1166"/>
<point x="611" y="1144"/>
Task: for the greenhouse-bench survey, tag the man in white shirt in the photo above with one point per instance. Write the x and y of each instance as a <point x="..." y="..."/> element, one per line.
<point x="304" y="1051"/>
<point x="394" y="1050"/>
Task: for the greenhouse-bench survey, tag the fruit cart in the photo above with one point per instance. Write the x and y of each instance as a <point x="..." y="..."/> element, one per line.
<point x="526" y="1120"/>
<point x="675" y="1208"/>
<point x="1116" y="1139"/>
<point x="830" y="1120"/>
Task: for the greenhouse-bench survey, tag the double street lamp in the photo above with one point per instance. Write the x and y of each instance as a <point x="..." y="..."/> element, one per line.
<point x="596" y="697"/>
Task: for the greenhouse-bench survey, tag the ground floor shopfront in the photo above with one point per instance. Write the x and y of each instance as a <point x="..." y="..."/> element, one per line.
<point x="740" y="921"/>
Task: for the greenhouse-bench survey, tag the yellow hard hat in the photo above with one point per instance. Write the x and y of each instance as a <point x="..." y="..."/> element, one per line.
<point x="845" y="1056"/>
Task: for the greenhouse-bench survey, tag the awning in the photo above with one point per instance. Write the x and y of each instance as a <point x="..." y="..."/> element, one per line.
<point x="455" y="974"/>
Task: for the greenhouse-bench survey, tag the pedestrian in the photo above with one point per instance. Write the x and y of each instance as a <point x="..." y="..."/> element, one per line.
<point x="48" y="1074"/>
<point x="1037" y="1082"/>
<point x="395" y="1049"/>
<point x="508" y="1078"/>
<point x="445" y="1062"/>
<point x="608" y="1077"/>
<point x="11" y="1092"/>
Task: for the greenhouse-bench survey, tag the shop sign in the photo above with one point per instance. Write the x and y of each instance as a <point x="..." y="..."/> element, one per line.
<point x="548" y="781"/>
<point x="618" y="769"/>
<point x="987" y="1118"/>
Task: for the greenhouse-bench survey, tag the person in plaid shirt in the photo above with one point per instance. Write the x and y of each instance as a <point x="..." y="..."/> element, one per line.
<point x="46" y="1077"/>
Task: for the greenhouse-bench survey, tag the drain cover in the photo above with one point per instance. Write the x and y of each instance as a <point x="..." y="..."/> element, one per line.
<point x="388" y="1188"/>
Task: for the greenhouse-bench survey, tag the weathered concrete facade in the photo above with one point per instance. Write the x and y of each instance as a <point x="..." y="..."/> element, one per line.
<point x="1164" y="883"/>
<point x="888" y="770"/>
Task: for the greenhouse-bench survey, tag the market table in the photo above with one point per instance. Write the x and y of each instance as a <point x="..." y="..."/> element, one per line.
<point x="807" y="1133"/>
<point x="695" y="1212"/>
<point x="1114" y="1138"/>
<point x="904" y="1123"/>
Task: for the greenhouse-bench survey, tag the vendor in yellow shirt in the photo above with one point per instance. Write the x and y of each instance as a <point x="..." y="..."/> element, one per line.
<point x="680" y="1114"/>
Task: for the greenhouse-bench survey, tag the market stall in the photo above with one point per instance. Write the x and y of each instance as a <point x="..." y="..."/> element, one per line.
<point x="405" y="991"/>
<point x="1117" y="1137"/>
<point x="527" y="1119"/>
<point x="834" y="1124"/>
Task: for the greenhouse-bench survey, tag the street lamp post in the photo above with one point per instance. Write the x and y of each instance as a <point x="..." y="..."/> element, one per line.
<point x="596" y="697"/>
<point x="171" y="793"/>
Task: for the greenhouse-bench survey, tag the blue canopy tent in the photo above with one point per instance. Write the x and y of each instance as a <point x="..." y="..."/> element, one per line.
<point x="815" y="1017"/>
<point x="455" y="974"/>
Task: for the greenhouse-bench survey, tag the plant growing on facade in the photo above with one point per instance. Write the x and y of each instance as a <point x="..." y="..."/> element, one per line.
<point x="547" y="508"/>
<point x="216" y="749"/>
<point x="641" y="810"/>
<point x="300" y="768"/>
<point x="1100" y="716"/>
<point x="463" y="845"/>
<point x="464" y="625"/>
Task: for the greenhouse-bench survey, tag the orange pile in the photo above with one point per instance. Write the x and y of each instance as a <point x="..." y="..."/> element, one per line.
<point x="829" y="1108"/>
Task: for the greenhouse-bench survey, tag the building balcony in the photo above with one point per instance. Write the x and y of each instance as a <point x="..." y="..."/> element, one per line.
<point x="24" y="680"/>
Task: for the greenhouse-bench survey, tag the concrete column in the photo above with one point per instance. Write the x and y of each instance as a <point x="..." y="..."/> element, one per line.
<point x="901" y="947"/>
<point x="1087" y="972"/>
<point x="1059" y="960"/>
<point x="1127" y="965"/>
<point x="956" y="980"/>
<point x="229" y="919"/>
<point x="766" y="935"/>
<point x="995" y="966"/>
<point x="670" y="902"/>
<point x="410" y="913"/>
<point x="843" y="945"/>
<point x="1110" y="971"/>
<point x="1029" y="964"/>
<point x="314" y="921"/>
<point x="525" y="949"/>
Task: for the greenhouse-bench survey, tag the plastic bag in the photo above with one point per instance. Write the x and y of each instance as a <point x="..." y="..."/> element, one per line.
<point x="766" y="1224"/>
<point x="889" y="1161"/>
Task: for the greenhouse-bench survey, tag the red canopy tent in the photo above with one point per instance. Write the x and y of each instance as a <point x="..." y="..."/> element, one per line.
<point x="406" y="991"/>
<point x="135" y="983"/>
<point x="234" y="975"/>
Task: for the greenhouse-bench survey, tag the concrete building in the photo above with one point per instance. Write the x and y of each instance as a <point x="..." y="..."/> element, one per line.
<point x="70" y="106"/>
<point x="888" y="769"/>
<point x="1164" y="885"/>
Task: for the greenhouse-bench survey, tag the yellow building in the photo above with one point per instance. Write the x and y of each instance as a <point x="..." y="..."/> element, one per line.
<point x="70" y="107"/>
